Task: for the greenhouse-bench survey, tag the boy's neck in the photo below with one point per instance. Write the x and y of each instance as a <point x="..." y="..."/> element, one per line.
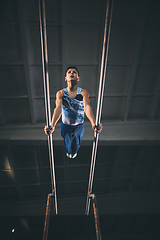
<point x="72" y="86"/>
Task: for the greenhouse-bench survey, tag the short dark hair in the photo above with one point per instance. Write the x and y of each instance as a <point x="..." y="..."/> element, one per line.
<point x="72" y="67"/>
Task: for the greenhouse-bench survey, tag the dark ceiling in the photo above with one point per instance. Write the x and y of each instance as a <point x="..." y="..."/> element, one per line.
<point x="127" y="173"/>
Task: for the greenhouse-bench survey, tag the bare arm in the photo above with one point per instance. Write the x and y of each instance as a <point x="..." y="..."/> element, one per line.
<point x="57" y="113"/>
<point x="58" y="109"/>
<point x="88" y="111"/>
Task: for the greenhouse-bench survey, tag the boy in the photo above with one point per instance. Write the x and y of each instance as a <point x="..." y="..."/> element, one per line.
<point x="72" y="102"/>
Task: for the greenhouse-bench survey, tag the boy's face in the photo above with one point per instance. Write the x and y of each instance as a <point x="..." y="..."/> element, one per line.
<point x="72" y="75"/>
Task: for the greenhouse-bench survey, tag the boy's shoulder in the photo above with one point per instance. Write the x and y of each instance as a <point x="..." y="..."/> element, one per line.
<point x="84" y="92"/>
<point x="59" y="94"/>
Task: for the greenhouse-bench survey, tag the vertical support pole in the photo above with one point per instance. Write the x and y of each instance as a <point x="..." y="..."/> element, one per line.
<point x="104" y="61"/>
<point x="43" y="32"/>
<point x="46" y="223"/>
<point x="96" y="217"/>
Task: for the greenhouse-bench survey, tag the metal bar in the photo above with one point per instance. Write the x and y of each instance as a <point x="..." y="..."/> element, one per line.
<point x="104" y="61"/>
<point x="96" y="218"/>
<point x="43" y="33"/>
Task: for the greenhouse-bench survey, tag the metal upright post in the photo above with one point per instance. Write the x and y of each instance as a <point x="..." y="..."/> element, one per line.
<point x="104" y="60"/>
<point x="47" y="215"/>
<point x="96" y="217"/>
<point x="43" y="33"/>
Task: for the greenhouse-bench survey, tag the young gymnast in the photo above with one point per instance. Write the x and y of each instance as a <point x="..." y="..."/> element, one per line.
<point x="72" y="102"/>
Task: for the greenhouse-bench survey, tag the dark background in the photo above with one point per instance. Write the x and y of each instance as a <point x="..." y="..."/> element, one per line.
<point x="127" y="174"/>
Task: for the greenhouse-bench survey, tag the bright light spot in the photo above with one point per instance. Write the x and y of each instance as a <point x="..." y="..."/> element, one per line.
<point x="6" y="163"/>
<point x="13" y="230"/>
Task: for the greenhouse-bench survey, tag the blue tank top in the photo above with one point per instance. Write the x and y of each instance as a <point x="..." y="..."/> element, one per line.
<point x="72" y="108"/>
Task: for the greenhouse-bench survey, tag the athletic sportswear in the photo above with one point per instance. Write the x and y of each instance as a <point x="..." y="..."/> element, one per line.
<point x="72" y="108"/>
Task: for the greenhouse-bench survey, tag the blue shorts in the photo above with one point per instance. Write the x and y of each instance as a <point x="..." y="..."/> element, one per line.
<point x="72" y="137"/>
